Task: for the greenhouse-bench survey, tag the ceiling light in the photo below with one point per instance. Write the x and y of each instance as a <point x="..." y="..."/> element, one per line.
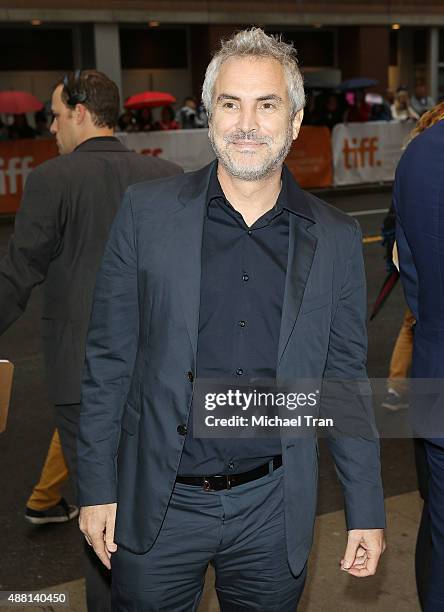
<point x="153" y="24"/>
<point x="36" y="22"/>
<point x="396" y="26"/>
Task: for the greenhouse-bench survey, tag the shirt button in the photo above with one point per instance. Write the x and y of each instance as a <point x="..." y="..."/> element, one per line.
<point x="182" y="430"/>
<point x="231" y="466"/>
<point x="190" y="376"/>
<point x="239" y="371"/>
<point x="241" y="323"/>
<point x="245" y="277"/>
<point x="249" y="232"/>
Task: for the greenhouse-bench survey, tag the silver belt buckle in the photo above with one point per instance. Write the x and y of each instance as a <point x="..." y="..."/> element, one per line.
<point x="206" y="485"/>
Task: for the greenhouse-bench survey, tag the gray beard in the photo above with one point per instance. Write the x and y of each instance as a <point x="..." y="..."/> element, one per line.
<point x="251" y="174"/>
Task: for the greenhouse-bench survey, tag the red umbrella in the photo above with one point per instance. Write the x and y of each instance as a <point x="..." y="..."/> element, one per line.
<point x="18" y="102"/>
<point x="149" y="99"/>
<point x="386" y="289"/>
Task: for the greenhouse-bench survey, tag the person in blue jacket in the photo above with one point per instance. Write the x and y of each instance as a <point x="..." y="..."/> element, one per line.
<point x="418" y="199"/>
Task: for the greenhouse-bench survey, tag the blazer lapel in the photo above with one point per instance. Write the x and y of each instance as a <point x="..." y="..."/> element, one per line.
<point x="188" y="248"/>
<point x="301" y="251"/>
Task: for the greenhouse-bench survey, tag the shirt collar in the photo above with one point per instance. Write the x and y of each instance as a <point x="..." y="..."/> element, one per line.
<point x="283" y="201"/>
<point x="214" y="188"/>
<point x="101" y="143"/>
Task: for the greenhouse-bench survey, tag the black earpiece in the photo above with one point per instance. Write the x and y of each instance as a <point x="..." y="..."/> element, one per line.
<point x="75" y="94"/>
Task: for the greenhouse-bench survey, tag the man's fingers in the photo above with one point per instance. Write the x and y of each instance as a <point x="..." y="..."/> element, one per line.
<point x="87" y="539"/>
<point x="361" y="557"/>
<point x="109" y="535"/>
<point x="99" y="548"/>
<point x="350" y="552"/>
<point x="98" y="544"/>
<point x="372" y="562"/>
<point x="359" y="572"/>
<point x="370" y="565"/>
<point x="363" y="572"/>
<point x="97" y="525"/>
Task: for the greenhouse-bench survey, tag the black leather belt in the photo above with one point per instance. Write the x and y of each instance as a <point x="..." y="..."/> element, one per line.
<point x="219" y="483"/>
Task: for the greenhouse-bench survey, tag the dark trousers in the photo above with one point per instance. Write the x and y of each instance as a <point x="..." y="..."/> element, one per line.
<point x="435" y="593"/>
<point x="97" y="576"/>
<point x="423" y="552"/>
<point x="240" y="531"/>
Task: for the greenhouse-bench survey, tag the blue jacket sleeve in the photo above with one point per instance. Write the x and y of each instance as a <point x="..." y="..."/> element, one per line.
<point x="356" y="457"/>
<point x="110" y="355"/>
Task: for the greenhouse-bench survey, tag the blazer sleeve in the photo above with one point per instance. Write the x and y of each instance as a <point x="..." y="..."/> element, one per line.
<point x="407" y="268"/>
<point x="110" y="355"/>
<point x="355" y="451"/>
<point x="36" y="238"/>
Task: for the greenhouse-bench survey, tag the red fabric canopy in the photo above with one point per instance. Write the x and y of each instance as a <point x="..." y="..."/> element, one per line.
<point x="18" y="102"/>
<point x="149" y="99"/>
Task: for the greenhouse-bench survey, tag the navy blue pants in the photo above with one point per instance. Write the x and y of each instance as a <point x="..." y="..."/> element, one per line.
<point x="240" y="532"/>
<point x="435" y="592"/>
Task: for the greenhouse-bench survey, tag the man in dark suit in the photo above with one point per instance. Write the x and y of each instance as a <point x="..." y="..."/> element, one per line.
<point x="229" y="272"/>
<point x="60" y="231"/>
<point x="418" y="197"/>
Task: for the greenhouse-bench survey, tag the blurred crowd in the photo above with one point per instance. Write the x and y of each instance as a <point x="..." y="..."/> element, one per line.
<point x="14" y="127"/>
<point x="329" y="107"/>
<point x="190" y="116"/>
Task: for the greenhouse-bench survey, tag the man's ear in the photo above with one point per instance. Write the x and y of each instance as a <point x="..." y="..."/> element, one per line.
<point x="297" y="123"/>
<point x="80" y="113"/>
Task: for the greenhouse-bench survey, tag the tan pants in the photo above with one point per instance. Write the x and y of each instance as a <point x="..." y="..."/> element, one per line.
<point x="402" y="355"/>
<point x="46" y="492"/>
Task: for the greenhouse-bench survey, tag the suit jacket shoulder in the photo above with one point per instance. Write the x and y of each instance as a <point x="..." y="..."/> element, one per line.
<point x="335" y="227"/>
<point x="426" y="147"/>
<point x="328" y="219"/>
<point x="146" y="195"/>
<point x="325" y="212"/>
<point x="63" y="166"/>
<point x="144" y="192"/>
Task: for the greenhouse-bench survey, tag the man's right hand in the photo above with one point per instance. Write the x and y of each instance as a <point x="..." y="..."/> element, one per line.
<point x="97" y="525"/>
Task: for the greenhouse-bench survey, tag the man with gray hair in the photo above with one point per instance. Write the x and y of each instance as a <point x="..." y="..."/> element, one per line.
<point x="239" y="275"/>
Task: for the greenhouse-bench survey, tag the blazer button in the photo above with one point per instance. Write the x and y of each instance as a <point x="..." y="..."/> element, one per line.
<point x="190" y="376"/>
<point x="182" y="430"/>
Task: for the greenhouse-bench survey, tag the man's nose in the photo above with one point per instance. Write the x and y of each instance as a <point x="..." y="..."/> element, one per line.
<point x="248" y="119"/>
<point x="52" y="127"/>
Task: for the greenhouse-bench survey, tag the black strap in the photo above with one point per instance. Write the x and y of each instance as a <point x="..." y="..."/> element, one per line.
<point x="225" y="481"/>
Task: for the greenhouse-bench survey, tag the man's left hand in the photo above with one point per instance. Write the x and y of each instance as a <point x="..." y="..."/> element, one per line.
<point x="364" y="548"/>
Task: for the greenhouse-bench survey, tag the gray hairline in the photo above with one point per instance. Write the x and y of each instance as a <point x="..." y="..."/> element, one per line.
<point x="220" y="58"/>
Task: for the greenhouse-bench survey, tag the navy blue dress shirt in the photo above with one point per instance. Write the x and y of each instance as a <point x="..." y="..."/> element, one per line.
<point x="242" y="291"/>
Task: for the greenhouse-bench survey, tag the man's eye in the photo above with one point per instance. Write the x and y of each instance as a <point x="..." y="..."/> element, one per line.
<point x="229" y="105"/>
<point x="268" y="106"/>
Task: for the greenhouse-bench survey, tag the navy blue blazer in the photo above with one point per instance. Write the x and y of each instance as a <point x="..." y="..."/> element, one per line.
<point x="418" y="198"/>
<point x="142" y="345"/>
